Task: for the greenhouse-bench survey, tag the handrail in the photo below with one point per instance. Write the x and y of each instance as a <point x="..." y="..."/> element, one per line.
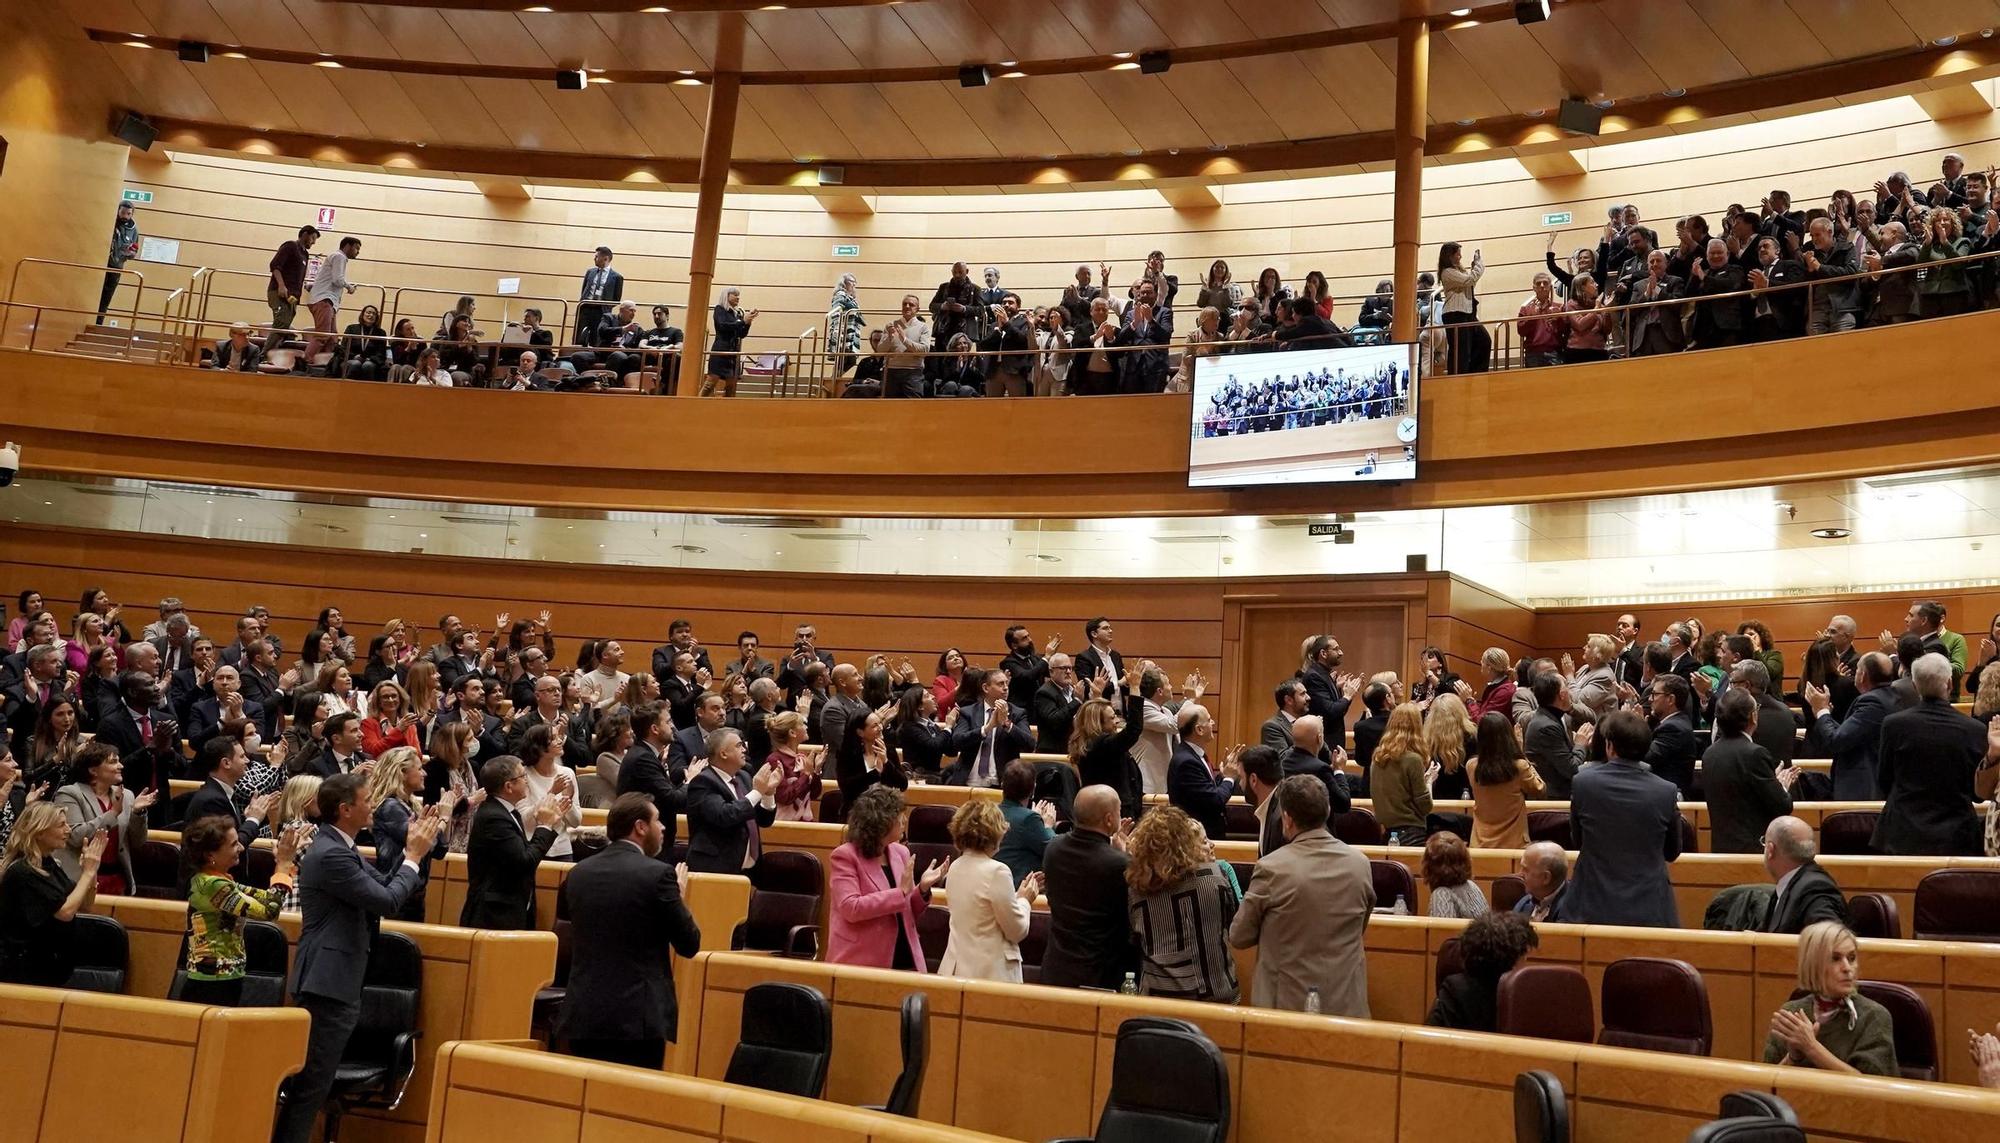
<point x="23" y="263"/>
<point x="395" y="313"/>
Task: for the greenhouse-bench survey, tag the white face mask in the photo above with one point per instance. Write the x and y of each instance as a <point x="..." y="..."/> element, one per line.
<point x="472" y="750"/>
<point x="252" y="744"/>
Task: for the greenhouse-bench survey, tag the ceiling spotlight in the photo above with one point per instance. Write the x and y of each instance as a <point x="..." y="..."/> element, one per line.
<point x="1126" y="65"/>
<point x="1945" y="41"/>
<point x="1466" y="122"/>
<point x="1155" y="63"/>
<point x="571" y="79"/>
<point x="1831" y="533"/>
<point x="972" y="75"/>
<point x="1674" y="92"/>
<point x="193" y="51"/>
<point x="1531" y="11"/>
<point x="1461" y="13"/>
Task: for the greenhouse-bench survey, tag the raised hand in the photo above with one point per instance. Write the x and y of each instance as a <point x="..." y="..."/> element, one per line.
<point x="932" y="875"/>
<point x="1568" y="664"/>
<point x="1584" y="735"/>
<point x="1703" y="685"/>
<point x="694" y="769"/>
<point x="1031" y="888"/>
<point x="767" y="779"/>
<point x="145" y="801"/>
<point x="552" y="810"/>
<point x="1817" y="698"/>
<point x="1350" y="685"/>
<point x="93" y="853"/>
<point x="261" y="806"/>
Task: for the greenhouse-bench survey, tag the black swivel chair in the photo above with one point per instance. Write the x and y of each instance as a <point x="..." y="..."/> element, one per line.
<point x="1541" y="1109"/>
<point x="1168" y="1085"/>
<point x="102" y="953"/>
<point x="1751" y="1117"/>
<point x="264" y="959"/>
<point x="786" y="1041"/>
<point x="381" y="1055"/>
<point x="909" y="1089"/>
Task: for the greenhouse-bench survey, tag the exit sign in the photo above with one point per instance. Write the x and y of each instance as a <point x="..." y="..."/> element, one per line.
<point x="847" y="251"/>
<point x="1559" y="218"/>
<point x="137" y="196"/>
<point x="1324" y="529"/>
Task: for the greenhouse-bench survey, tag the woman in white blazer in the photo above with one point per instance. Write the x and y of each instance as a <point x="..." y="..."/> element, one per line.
<point x="989" y="916"/>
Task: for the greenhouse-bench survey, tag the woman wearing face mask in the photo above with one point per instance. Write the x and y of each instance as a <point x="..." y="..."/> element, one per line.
<point x="453" y="770"/>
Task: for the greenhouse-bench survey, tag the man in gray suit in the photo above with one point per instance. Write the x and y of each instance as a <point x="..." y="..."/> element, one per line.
<point x="1627" y="828"/>
<point x="343" y="899"/>
<point x="1276" y="732"/>
<point x="844" y="708"/>
<point x="1306" y="912"/>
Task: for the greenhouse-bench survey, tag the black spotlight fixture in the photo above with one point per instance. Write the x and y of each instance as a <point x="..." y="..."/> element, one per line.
<point x="135" y="130"/>
<point x="1154" y="63"/>
<point x="1531" y="11"/>
<point x="570" y="79"/>
<point x="972" y="75"/>
<point x="193" y="51"/>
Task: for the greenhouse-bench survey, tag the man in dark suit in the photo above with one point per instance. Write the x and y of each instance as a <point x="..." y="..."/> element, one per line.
<point x="1935" y="763"/>
<point x="1742" y="782"/>
<point x="1777" y="727"/>
<point x="1545" y="871"/>
<point x="500" y="859"/>
<point x="1276" y="732"/>
<point x="1855" y="740"/>
<point x="1328" y="693"/>
<point x="843" y="711"/>
<point x="1631" y="659"/>
<point x="726" y="808"/>
<point x="989" y="733"/>
<point x="1627" y="828"/>
<point x="1909" y="648"/>
<point x="1099" y="658"/>
<point x="1027" y="669"/>
<point x="263" y="685"/>
<point x="343" y="753"/>
<point x="644" y="768"/>
<point x="690" y="743"/>
<point x="1192" y="784"/>
<point x="221" y="764"/>
<point x="1262" y="771"/>
<point x="1806" y="894"/>
<point x="146" y="737"/>
<point x="249" y="633"/>
<point x="462" y="661"/>
<point x="1306" y="757"/>
<point x="471" y="693"/>
<point x="228" y="704"/>
<point x="342" y="899"/>
<point x="1307" y="330"/>
<point x="1547" y="740"/>
<point x="43" y="675"/>
<point x="1083" y="871"/>
<point x="175" y="645"/>
<point x="1055" y="706"/>
<point x="194" y="681"/>
<point x="1674" y="748"/>
<point x="602" y="286"/>
<point x="805" y="651"/>
<point x="748" y="663"/>
<point x="1148" y="323"/>
<point x="680" y="637"/>
<point x="1377" y="699"/>
<point x="1680" y="654"/>
<point x="625" y="913"/>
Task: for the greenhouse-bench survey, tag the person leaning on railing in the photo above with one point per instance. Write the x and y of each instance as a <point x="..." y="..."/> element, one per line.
<point x="1945" y="290"/>
<point x="1725" y="320"/>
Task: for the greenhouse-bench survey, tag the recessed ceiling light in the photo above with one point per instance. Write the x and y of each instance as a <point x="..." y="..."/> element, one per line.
<point x="1461" y="11"/>
<point x="328" y="63"/>
<point x="1675" y="92"/>
<point x="1128" y="65"/>
<point x="1466" y="122"/>
<point x="1831" y="533"/>
<point x="1945" y="41"/>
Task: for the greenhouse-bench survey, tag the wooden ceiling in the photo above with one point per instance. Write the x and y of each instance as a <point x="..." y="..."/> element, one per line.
<point x="1622" y="50"/>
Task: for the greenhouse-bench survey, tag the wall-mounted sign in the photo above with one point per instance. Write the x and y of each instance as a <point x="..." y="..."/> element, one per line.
<point x="136" y="196"/>
<point x="847" y="251"/>
<point x="1559" y="218"/>
<point x="326" y="216"/>
<point x="159" y="249"/>
<point x="509" y="286"/>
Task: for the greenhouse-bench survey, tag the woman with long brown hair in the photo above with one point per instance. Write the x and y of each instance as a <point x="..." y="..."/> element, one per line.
<point x="1502" y="779"/>
<point x="1401" y="775"/>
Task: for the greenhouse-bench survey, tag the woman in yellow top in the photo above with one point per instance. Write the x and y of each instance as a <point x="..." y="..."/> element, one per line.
<point x="218" y="903"/>
<point x="1401" y="776"/>
<point x="1502" y="779"/>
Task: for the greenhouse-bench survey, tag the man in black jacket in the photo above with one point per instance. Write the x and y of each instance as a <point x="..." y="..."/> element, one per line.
<point x="1777" y="727"/>
<point x="1329" y="693"/>
<point x="1308" y="740"/>
<point x="990" y="733"/>
<point x="1308" y="330"/>
<point x="221" y="764"/>
<point x="1027" y="669"/>
<point x="680" y="637"/>
<point x="1806" y="894"/>
<point x="1377" y="699"/>
<point x="471" y="708"/>
<point x="1055" y="706"/>
<point x="1935" y="764"/>
<point x="726" y="809"/>
<point x="1193" y="783"/>
<point x="1150" y="324"/>
<point x="690" y="743"/>
<point x="1674" y="748"/>
<point x="1014" y="336"/>
<point x="644" y="769"/>
<point x="625" y="913"/>
<point x="1742" y="782"/>
<point x="1547" y="741"/>
<point x="1853" y="741"/>
<point x="227" y="704"/>
<point x="500" y="860"/>
<point x="1083" y="871"/>
<point x="146" y="737"/>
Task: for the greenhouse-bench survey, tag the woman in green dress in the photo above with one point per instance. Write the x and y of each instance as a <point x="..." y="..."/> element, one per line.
<point x="218" y="905"/>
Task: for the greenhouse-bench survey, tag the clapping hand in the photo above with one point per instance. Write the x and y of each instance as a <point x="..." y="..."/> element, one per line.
<point x="1195" y="686"/>
<point x="932" y="875"/>
<point x="1986" y="1057"/>
<point x="1816" y="698"/>
<point x="694" y="770"/>
<point x="767" y="779"/>
<point x="1584" y="735"/>
<point x="93" y="854"/>
<point x="145" y="801"/>
<point x="421" y="837"/>
<point x="1031" y="888"/>
<point x="1463" y="689"/>
<point x="552" y="810"/>
<point x="1568" y="664"/>
<point x="1047" y="810"/>
<point x="1055" y="641"/>
<point x="1794" y="1030"/>
<point x="1703" y="684"/>
<point x="260" y="807"/>
<point x="1431" y="773"/>
<point x="1787" y="775"/>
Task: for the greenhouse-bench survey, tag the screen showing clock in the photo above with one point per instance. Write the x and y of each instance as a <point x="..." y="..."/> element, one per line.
<point x="1304" y="416"/>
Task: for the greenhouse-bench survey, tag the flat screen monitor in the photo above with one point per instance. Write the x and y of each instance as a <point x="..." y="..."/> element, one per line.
<point x="1310" y="416"/>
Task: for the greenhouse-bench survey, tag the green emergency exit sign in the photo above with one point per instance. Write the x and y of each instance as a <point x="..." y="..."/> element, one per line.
<point x="847" y="251"/>
<point x="138" y="196"/>
<point x="1559" y="218"/>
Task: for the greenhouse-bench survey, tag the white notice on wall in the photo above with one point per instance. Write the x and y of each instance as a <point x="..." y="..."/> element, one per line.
<point x="159" y="250"/>
<point x="509" y="286"/>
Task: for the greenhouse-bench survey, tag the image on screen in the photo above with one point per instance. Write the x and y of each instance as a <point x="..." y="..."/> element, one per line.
<point x="1304" y="416"/>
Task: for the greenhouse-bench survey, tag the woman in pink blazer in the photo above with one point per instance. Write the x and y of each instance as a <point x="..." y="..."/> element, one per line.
<point x="876" y="892"/>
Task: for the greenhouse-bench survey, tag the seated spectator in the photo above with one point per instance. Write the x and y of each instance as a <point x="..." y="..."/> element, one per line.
<point x="218" y="905"/>
<point x="961" y="374"/>
<point x="364" y="352"/>
<point x="1183" y="901"/>
<point x="1490" y="947"/>
<point x="430" y="370"/>
<point x="1083" y="876"/>
<point x="1744" y="786"/>
<point x="1447" y="869"/>
<point x="1502" y="778"/>
<point x="1030" y="828"/>
<point x="1545" y="873"/>
<point x="1306" y="913"/>
<point x="40" y="898"/>
<point x="1806" y="893"/>
<point x="237" y="354"/>
<point x="875" y="892"/>
<point x="98" y="803"/>
<point x="1400" y="778"/>
<point x="1833" y="1027"/>
<point x="460" y="354"/>
<point x="989" y="914"/>
<point x="405" y="347"/>
<point x="1308" y="328"/>
<point x="1935" y="765"/>
<point x="1626" y="827"/>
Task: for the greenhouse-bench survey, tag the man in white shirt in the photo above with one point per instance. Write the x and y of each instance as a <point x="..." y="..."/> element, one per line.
<point x="323" y="300"/>
<point x="902" y="344"/>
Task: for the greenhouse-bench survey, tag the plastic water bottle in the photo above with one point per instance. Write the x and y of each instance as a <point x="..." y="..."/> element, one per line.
<point x="1402" y="908"/>
<point x="1131" y="985"/>
<point x="1312" y="1001"/>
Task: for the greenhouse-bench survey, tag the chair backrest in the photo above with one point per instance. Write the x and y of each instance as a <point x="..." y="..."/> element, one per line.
<point x="1874" y="915"/>
<point x="1239" y="819"/>
<point x="1957" y="905"/>
<point x="1168" y="1085"/>
<point x="929" y="824"/>
<point x="101" y="953"/>
<point x="1915" y="1032"/>
<point x="156" y="866"/>
<point x="1450" y="960"/>
<point x="1508" y="889"/>
<point x="925" y="852"/>
<point x="1541" y="1109"/>
<point x="390" y="995"/>
<point x="265" y="958"/>
<point x="1547" y="1001"/>
<point x="565" y="950"/>
<point x="1753" y="1104"/>
<point x="1392" y="880"/>
<point x="1847" y="832"/>
<point x="786" y="1040"/>
<point x="1549" y="825"/>
<point x="1690" y="840"/>
<point x="1747" y="1131"/>
<point x="772" y="917"/>
<point x="832" y="806"/>
<point x="1033" y="946"/>
<point x="259" y="865"/>
<point x="787" y="871"/>
<point x="1655" y="1003"/>
<point x="909" y="1088"/>
<point x="934" y="934"/>
<point x="1356" y="827"/>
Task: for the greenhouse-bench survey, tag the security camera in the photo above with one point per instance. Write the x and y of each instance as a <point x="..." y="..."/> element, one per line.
<point x="10" y="462"/>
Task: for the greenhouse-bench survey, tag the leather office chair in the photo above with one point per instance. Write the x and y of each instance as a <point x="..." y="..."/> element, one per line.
<point x="832" y="806"/>
<point x="1033" y="946"/>
<point x="916" y="1029"/>
<point x="1754" y="1105"/>
<point x="1357" y="827"/>
<point x="934" y="934"/>
<point x="1910" y="1020"/>
<point x="1657" y="1004"/>
<point x="264" y="960"/>
<point x="1546" y="1001"/>
<point x="1508" y="888"/>
<point x="548" y="1004"/>
<point x="1244" y="871"/>
<point x="1690" y="840"/>
<point x="1549" y="825"/>
<point x="1751" y="1117"/>
<point x="786" y="1041"/>
<point x="259" y="864"/>
<point x="784" y="906"/>
<point x="1392" y="880"/>
<point x="1168" y="1085"/>
<point x="156" y="871"/>
<point x="381" y="1056"/>
<point x="1239" y="820"/>
<point x="925" y="852"/>
<point x="929" y="824"/>
<point x="1541" y="1109"/>
<point x="101" y="953"/>
<point x="1847" y="832"/>
<point x="1874" y="915"/>
<point x="1450" y="961"/>
<point x="1957" y="905"/>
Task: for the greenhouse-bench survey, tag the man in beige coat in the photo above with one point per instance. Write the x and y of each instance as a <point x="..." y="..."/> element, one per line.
<point x="1307" y="910"/>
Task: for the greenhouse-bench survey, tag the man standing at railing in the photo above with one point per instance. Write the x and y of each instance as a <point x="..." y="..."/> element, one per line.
<point x="324" y="300"/>
<point x="288" y="277"/>
<point x="601" y="285"/>
<point x="124" y="245"/>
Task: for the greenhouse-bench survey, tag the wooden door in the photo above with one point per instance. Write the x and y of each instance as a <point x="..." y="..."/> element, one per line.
<point x="1373" y="636"/>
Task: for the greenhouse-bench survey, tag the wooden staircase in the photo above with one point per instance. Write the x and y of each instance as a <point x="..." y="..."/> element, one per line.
<point x="121" y="344"/>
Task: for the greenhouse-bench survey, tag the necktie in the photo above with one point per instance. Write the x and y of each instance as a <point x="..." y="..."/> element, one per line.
<point x="146" y="729"/>
<point x="984" y="773"/>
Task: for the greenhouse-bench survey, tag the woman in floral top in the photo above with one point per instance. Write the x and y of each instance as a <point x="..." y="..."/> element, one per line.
<point x="217" y="905"/>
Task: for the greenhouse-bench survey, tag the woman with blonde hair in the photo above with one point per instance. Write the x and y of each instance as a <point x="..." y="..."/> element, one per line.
<point x="1833" y="1027"/>
<point x="989" y="916"/>
<point x="799" y="779"/>
<point x="395" y="785"/>
<point x="39" y="899"/>
<point x="298" y="801"/>
<point x="1943" y="290"/>
<point x="731" y="323"/>
<point x="1401" y="774"/>
<point x="1449" y="739"/>
<point x="425" y="699"/>
<point x="1182" y="901"/>
<point x="1201" y="341"/>
<point x="1502" y="778"/>
<point x="1100" y="745"/>
<point x="1595" y="683"/>
<point x="390" y="722"/>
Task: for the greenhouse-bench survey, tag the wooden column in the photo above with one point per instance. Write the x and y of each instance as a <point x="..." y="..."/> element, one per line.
<point x="1413" y="72"/>
<point x="718" y="134"/>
